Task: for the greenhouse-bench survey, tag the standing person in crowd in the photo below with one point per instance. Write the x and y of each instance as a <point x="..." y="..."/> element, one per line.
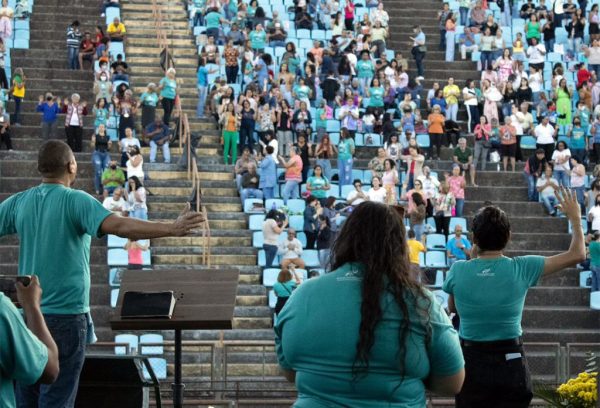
<point x="563" y="105"/>
<point x="312" y="211"/>
<point x="284" y="115"/>
<point x="148" y="101"/>
<point x="55" y="246"/>
<point x="230" y="122"/>
<point x="274" y="224"/>
<point x="287" y="281"/>
<point x="73" y="41"/>
<point x="561" y="162"/>
<point x="457" y="184"/>
<point x="126" y="107"/>
<point x="293" y="174"/>
<point x="534" y="168"/>
<point x="436" y="131"/>
<point x="387" y="347"/>
<point x="508" y="140"/>
<point x="168" y="93"/>
<point x="29" y="354"/>
<point x="324" y="153"/>
<point x="577" y="181"/>
<point x="481" y="289"/>
<point x="101" y="113"/>
<point x="458" y="248"/>
<point x="136" y="198"/>
<point x="50" y="110"/>
<point x="595" y="261"/>
<point x="3" y="77"/>
<point x="483" y="133"/>
<point x="463" y="156"/>
<point x="324" y="241"/>
<point x="417" y="215"/>
<point x="451" y="94"/>
<point x="18" y="94"/>
<point x="471" y="102"/>
<point x="126" y="143"/>
<point x="268" y="173"/>
<point x="414" y="164"/>
<point x="345" y="160"/>
<point x="5" y="130"/>
<point x="101" y="144"/>
<point x="545" y="137"/>
<point x="450" y="25"/>
<point x="443" y="209"/>
<point x="418" y="49"/>
<point x="546" y="186"/>
<point x="75" y="111"/>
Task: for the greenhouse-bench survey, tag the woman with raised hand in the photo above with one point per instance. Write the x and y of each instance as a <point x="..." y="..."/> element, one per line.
<point x="488" y="293"/>
<point x="366" y="334"/>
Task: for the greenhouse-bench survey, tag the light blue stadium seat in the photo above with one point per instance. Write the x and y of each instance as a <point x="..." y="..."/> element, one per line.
<point x="130" y="339"/>
<point x="359" y="139"/>
<point x="303" y="33"/>
<point x="262" y="260"/>
<point x="346" y="190"/>
<point x="296" y="205"/>
<point x="153" y="340"/>
<point x="270" y="276"/>
<point x="421" y="259"/>
<point x="595" y="300"/>
<point x="115" y="49"/>
<point x="306" y="43"/>
<point x="21" y="25"/>
<point x="311" y="258"/>
<point x="333" y="125"/>
<point x="318" y="35"/>
<point x="367" y="177"/>
<point x="528" y="143"/>
<point x="583" y="278"/>
<point x="111" y="13"/>
<point x="256" y="222"/>
<point x="118" y="257"/>
<point x="302" y="238"/>
<point x="297" y="222"/>
<point x="442" y="298"/>
<point x="114" y="276"/>
<point x="436" y="241"/>
<point x="454" y="221"/>
<point x="22" y="35"/>
<point x="114" y="241"/>
<point x="423" y="141"/>
<point x="334" y="138"/>
<point x="20" y="43"/>
<point x="357" y="174"/>
<point x="439" y="280"/>
<point x="159" y="366"/>
<point x="269" y="203"/>
<point x="272" y="299"/>
<point x="114" y="297"/>
<point x="435" y="259"/>
<point x="372" y="139"/>
<point x="249" y="205"/>
<point x="584" y="225"/>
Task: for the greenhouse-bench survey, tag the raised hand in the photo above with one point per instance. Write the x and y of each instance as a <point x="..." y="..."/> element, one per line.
<point x="187" y="221"/>
<point x="567" y="203"/>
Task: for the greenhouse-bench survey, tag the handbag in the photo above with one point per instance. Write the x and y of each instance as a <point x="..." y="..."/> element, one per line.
<point x="422" y="48"/>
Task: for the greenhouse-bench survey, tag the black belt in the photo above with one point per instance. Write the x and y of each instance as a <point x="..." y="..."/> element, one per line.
<point x="492" y="345"/>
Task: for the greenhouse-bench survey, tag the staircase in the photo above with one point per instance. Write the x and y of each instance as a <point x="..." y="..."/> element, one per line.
<point x="231" y="240"/>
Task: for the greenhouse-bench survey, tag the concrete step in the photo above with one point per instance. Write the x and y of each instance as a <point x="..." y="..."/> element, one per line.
<point x="558" y="295"/>
<point x="197" y="259"/>
<point x="14" y="184"/>
<point x="561" y="317"/>
<point x="216" y="241"/>
<point x="154" y="207"/>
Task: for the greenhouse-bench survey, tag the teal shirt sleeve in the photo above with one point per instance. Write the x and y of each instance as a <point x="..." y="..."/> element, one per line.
<point x="448" y="285"/>
<point x="445" y="354"/>
<point x="287" y="313"/>
<point x="23" y="357"/>
<point x="7" y="216"/>
<point x="87" y="213"/>
<point x="529" y="268"/>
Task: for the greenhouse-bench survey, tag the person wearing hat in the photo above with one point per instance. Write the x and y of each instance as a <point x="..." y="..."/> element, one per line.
<point x="534" y="168"/>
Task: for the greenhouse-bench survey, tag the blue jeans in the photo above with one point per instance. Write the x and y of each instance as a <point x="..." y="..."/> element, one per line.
<point x="532" y="193"/>
<point x="418" y="229"/>
<point x="201" y="101"/>
<point x="562" y="177"/>
<point x="326" y="166"/>
<point x="290" y="190"/>
<point x="595" y="278"/>
<point x="460" y="204"/>
<point x="549" y="202"/>
<point x="70" y="334"/>
<point x="324" y="258"/>
<point x="345" y="172"/>
<point x="73" y="57"/>
<point x="268" y="192"/>
<point x="464" y="15"/>
<point x="270" y="254"/>
<point x="165" y="150"/>
<point x="250" y="193"/>
<point x="140" y="214"/>
<point x="100" y="160"/>
<point x="487" y="58"/>
<point x="580" y="192"/>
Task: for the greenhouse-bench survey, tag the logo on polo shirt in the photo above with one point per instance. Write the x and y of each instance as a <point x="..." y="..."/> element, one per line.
<point x="486" y="273"/>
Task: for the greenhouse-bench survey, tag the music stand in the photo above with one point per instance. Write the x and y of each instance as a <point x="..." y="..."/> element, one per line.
<point x="205" y="301"/>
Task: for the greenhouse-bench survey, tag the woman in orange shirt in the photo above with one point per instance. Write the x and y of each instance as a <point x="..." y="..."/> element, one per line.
<point x="436" y="129"/>
<point x="508" y="139"/>
<point x="230" y="122"/>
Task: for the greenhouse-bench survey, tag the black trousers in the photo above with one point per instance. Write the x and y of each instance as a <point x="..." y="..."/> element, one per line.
<point x="442" y="224"/>
<point x="311" y="238"/>
<point x="74" y="137"/>
<point x="232" y="72"/>
<point x="3" y="79"/>
<point x="5" y="138"/>
<point x="167" y="105"/>
<point x="493" y="381"/>
<point x="548" y="149"/>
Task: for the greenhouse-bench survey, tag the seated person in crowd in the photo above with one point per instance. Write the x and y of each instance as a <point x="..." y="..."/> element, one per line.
<point x="116" y="203"/>
<point x="290" y="251"/>
<point x="112" y="178"/>
<point x="458" y="247"/>
<point x="546" y="186"/>
<point x="120" y="69"/>
<point x="356" y="196"/>
<point x="116" y="30"/>
<point x="250" y="182"/>
<point x="236" y="35"/>
<point x="86" y="50"/>
<point x="159" y="135"/>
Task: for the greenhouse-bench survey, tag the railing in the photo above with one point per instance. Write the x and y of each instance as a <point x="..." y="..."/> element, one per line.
<point x="161" y="35"/>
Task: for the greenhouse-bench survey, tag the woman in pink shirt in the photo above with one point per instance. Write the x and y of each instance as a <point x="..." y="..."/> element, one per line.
<point x="134" y="254"/>
<point x="456" y="182"/>
<point x="349" y="15"/>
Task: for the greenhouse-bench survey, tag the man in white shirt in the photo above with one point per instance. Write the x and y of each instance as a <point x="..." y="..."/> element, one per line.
<point x="349" y="117"/>
<point x="594" y="215"/>
<point x="545" y="187"/>
<point x="430" y="183"/>
<point x="544" y="137"/>
<point x="356" y="196"/>
<point x="536" y="54"/>
<point x="116" y="203"/>
<point x="290" y="251"/>
<point x="524" y="118"/>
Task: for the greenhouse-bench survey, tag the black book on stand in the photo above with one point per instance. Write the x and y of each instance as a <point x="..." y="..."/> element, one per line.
<point x="146" y="305"/>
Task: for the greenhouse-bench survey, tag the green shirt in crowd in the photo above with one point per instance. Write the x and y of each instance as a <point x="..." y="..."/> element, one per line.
<point x="258" y="39"/>
<point x="213" y="19"/>
<point x="365" y="69"/>
<point x="110" y="174"/>
<point x="463" y="156"/>
<point x="22" y="356"/>
<point x="376" y="96"/>
<point x="345" y="149"/>
<point x="489" y="295"/>
<point x="316" y="336"/>
<point x="55" y="225"/>
<point x="318" y="185"/>
<point x="595" y="253"/>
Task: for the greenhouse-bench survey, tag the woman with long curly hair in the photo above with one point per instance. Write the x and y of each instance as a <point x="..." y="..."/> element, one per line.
<point x="367" y="334"/>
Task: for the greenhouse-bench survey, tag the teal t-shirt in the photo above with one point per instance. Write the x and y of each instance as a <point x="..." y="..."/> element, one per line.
<point x="577" y="138"/>
<point x="149" y="99"/>
<point x="345" y="149"/>
<point x="376" y="96"/>
<point x="55" y="224"/>
<point x="302" y="92"/>
<point x="317" y="332"/>
<point x="101" y="116"/>
<point x="258" y="39"/>
<point x="169" y="89"/>
<point x="321" y="123"/>
<point x="595" y="253"/>
<point x="365" y="69"/>
<point x="284" y="289"/>
<point x="317" y="186"/>
<point x="490" y="295"/>
<point x="213" y="19"/>
<point x="23" y="357"/>
<point x="293" y="64"/>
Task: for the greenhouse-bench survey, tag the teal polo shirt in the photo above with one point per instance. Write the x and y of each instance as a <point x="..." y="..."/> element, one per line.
<point x="55" y="225"/>
<point x="317" y="332"/>
<point x="489" y="294"/>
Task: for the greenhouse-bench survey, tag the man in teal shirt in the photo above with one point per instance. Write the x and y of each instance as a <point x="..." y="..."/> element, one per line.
<point x="258" y="38"/>
<point x="55" y="224"/>
<point x="28" y="353"/>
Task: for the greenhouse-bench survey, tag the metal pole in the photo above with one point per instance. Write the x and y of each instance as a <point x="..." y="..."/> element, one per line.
<point x="178" y="385"/>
